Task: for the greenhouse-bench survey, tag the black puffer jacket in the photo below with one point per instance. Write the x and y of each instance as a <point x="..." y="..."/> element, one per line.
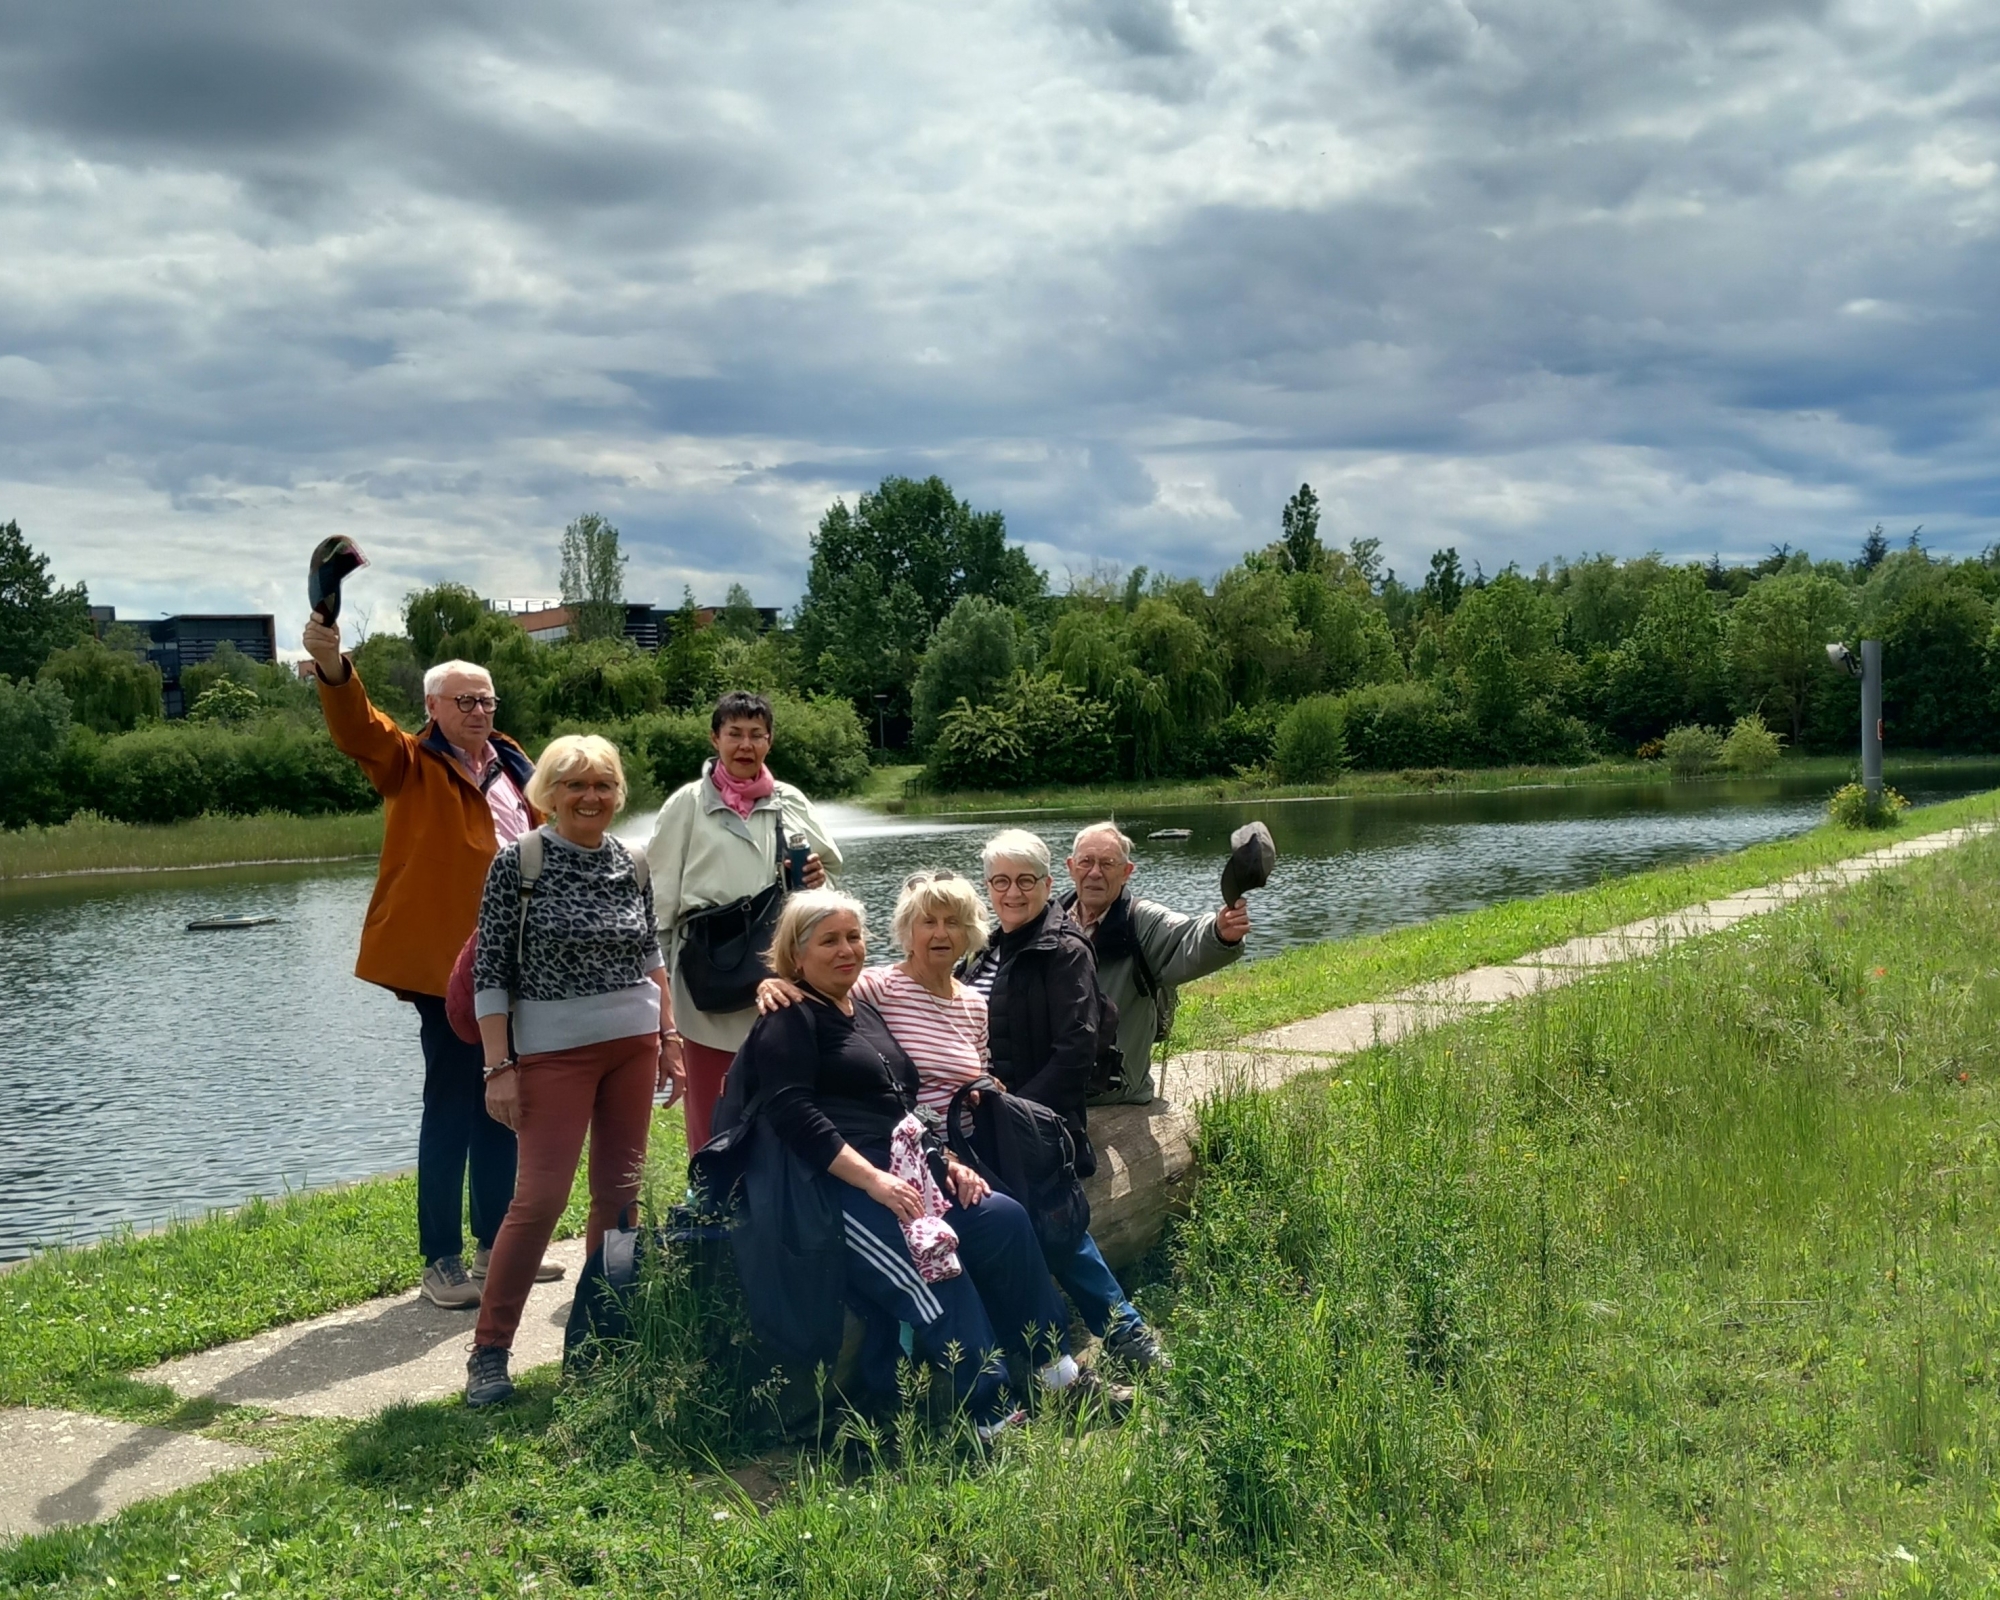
<point x="1046" y="1018"/>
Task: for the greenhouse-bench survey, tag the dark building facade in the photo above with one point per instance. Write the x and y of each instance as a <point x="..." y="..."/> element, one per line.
<point x="187" y="641"/>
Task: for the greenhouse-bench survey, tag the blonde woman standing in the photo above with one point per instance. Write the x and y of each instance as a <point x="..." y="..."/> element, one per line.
<point x="575" y="1023"/>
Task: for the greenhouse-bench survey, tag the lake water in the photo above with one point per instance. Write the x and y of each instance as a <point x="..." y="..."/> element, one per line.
<point x="157" y="1072"/>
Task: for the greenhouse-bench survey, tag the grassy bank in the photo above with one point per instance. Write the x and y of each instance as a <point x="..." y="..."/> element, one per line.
<point x="888" y="792"/>
<point x="1674" y="1282"/>
<point x="77" y="1320"/>
<point x="1314" y="978"/>
<point x="91" y="844"/>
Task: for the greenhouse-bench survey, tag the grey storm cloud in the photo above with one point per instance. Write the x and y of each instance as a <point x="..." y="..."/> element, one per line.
<point x="1522" y="277"/>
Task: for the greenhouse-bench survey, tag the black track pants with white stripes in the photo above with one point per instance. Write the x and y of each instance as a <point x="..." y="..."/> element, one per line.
<point x="948" y="1322"/>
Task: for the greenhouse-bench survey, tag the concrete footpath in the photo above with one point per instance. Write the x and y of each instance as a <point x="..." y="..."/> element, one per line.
<point x="60" y="1467"/>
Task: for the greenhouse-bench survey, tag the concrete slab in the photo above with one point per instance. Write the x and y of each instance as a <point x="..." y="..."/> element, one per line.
<point x="58" y="1468"/>
<point x="1488" y="986"/>
<point x="356" y="1362"/>
<point x="1342" y="1032"/>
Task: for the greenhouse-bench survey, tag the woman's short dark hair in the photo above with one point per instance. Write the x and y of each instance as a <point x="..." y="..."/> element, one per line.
<point x="739" y="705"/>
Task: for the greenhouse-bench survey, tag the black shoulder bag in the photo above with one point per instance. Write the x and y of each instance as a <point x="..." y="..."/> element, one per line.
<point x="723" y="948"/>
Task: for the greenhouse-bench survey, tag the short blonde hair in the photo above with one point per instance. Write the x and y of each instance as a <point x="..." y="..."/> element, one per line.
<point x="804" y="912"/>
<point x="1015" y="844"/>
<point x="568" y="755"/>
<point x="940" y="894"/>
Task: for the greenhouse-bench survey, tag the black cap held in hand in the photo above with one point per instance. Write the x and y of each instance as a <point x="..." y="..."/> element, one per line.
<point x="332" y="560"/>
<point x="1252" y="855"/>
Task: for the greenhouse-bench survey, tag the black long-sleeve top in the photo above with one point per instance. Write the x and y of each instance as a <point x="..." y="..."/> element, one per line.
<point x="828" y="1079"/>
<point x="1045" y="1011"/>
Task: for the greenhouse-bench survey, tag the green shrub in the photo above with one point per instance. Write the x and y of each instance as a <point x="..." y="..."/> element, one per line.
<point x="1312" y="740"/>
<point x="1850" y="807"/>
<point x="1243" y="741"/>
<point x="1751" y="747"/>
<point x="34" y="733"/>
<point x="226" y="701"/>
<point x="1392" y="726"/>
<point x="1041" y="731"/>
<point x="170" y="772"/>
<point x="1691" y="750"/>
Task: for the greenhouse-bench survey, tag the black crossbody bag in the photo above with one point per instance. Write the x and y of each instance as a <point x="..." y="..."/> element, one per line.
<point x="723" y="949"/>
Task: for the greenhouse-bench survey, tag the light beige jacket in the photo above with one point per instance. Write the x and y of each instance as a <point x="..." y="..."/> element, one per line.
<point x="703" y="854"/>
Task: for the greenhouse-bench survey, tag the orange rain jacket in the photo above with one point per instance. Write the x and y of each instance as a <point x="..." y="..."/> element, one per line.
<point x="437" y="842"/>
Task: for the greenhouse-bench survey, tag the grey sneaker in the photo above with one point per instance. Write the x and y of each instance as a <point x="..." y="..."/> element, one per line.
<point x="547" y="1272"/>
<point x="486" y="1380"/>
<point x="1093" y="1389"/>
<point x="1137" y="1347"/>
<point x="446" y="1284"/>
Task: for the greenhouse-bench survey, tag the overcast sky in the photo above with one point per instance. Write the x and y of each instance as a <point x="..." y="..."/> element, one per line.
<point x="1525" y="277"/>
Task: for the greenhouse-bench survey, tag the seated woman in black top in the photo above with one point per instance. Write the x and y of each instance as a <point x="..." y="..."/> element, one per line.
<point x="835" y="1085"/>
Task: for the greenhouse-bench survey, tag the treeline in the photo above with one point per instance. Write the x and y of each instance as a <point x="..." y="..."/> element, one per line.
<point x="1303" y="658"/>
<point x="81" y="724"/>
<point x="923" y="628"/>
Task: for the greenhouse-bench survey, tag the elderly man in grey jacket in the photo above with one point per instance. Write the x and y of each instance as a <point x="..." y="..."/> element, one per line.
<point x="1144" y="949"/>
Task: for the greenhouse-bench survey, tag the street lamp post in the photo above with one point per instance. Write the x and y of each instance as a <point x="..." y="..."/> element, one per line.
<point x="1868" y="668"/>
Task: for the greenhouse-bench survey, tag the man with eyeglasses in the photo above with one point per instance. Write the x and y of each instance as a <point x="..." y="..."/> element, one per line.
<point x="452" y="795"/>
<point x="1145" y="951"/>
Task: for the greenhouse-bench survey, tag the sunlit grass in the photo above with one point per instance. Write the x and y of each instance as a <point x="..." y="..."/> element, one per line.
<point x="1679" y="1281"/>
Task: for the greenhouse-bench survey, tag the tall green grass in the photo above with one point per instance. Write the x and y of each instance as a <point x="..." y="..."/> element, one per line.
<point x="90" y="843"/>
<point x="1679" y="1281"/>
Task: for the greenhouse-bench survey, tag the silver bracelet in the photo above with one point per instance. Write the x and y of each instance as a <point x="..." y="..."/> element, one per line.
<point x="494" y="1071"/>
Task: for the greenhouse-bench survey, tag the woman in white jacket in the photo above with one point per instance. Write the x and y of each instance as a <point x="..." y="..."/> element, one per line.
<point x="716" y="843"/>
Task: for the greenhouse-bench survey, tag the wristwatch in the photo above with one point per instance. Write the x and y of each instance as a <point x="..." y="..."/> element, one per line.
<point x="499" y="1067"/>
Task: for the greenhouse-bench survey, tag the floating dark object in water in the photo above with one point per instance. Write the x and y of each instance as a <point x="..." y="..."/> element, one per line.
<point x="1171" y="833"/>
<point x="1252" y="855"/>
<point x="332" y="560"/>
<point x="245" y="919"/>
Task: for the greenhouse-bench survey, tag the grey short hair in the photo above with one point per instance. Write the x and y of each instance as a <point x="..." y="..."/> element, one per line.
<point x="1111" y="828"/>
<point x="1015" y="844"/>
<point x="934" y="893"/>
<point x="434" y="679"/>
<point x="803" y="912"/>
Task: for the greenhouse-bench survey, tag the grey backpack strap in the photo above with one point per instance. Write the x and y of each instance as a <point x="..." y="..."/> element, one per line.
<point x="642" y="869"/>
<point x="531" y="870"/>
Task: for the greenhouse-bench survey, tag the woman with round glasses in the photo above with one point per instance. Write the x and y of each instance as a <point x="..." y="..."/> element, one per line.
<point x="1046" y="1018"/>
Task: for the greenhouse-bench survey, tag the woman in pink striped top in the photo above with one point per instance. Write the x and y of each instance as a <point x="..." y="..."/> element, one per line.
<point x="940" y="1022"/>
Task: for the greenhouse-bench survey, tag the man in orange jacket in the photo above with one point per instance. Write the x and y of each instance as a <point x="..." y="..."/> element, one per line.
<point x="453" y="795"/>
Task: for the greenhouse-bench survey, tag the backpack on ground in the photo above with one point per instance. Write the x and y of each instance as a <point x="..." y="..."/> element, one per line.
<point x="1026" y="1151"/>
<point x="601" y="1313"/>
<point x="458" y="991"/>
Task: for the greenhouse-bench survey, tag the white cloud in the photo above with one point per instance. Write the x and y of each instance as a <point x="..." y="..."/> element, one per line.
<point x="1520" y="277"/>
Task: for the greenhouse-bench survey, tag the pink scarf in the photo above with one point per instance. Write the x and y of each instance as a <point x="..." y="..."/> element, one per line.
<point x="741" y="797"/>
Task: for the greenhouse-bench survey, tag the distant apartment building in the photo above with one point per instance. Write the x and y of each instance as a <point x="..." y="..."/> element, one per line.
<point x="178" y="643"/>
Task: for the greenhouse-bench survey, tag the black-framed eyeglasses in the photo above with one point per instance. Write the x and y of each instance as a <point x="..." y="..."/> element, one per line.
<point x="1024" y="882"/>
<point x="469" y="703"/>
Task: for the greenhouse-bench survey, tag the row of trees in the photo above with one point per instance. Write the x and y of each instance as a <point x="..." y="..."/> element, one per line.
<point x="921" y="618"/>
<point x="1141" y="676"/>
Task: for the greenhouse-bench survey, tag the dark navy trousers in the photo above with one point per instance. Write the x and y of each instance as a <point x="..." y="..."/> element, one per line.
<point x="1002" y="1301"/>
<point x="456" y="1133"/>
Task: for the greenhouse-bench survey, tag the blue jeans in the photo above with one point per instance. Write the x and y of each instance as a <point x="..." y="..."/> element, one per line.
<point x="1089" y="1282"/>
<point x="456" y="1133"/>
